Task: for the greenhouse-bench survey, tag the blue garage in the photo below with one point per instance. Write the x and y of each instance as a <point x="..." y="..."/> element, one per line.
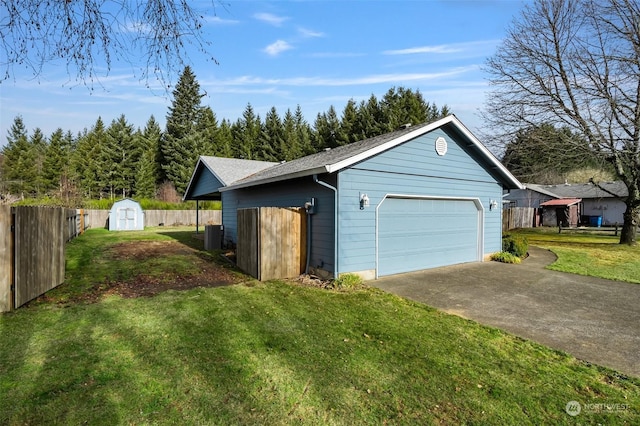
<point x="424" y="196"/>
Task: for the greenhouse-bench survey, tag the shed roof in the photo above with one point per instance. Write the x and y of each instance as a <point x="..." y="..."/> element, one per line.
<point x="336" y="159"/>
<point x="582" y="190"/>
<point x="561" y="202"/>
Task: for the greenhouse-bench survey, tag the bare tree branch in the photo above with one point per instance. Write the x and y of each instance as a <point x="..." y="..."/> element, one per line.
<point x="575" y="64"/>
<point x="89" y="36"/>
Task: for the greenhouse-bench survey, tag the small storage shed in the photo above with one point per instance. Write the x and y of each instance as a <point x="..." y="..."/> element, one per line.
<point x="563" y="212"/>
<point x="126" y="215"/>
<point x="421" y="197"/>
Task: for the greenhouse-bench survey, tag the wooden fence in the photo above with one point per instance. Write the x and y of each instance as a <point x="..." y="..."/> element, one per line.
<point x="520" y="217"/>
<point x="271" y="242"/>
<point x="32" y="250"/>
<point x="99" y="218"/>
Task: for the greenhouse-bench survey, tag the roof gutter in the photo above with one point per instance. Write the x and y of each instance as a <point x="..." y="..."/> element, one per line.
<point x="335" y="222"/>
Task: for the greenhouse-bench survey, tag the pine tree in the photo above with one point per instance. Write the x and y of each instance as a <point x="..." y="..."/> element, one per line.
<point x="370" y="118"/>
<point x="180" y="142"/>
<point x="291" y="148"/>
<point x="348" y="124"/>
<point x="246" y="134"/>
<point x="88" y="169"/>
<point x="119" y="158"/>
<point x="304" y="132"/>
<point x="327" y="128"/>
<point x="19" y="164"/>
<point x="39" y="148"/>
<point x="56" y="162"/>
<point x="207" y="128"/>
<point x="272" y="143"/>
<point x="148" y="169"/>
<point x="224" y="140"/>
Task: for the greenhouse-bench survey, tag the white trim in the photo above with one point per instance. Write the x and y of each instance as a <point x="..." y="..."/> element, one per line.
<point x="476" y="201"/>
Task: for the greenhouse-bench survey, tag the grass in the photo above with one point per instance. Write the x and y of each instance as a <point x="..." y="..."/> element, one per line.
<point x="588" y="254"/>
<point x="88" y="264"/>
<point x="279" y="353"/>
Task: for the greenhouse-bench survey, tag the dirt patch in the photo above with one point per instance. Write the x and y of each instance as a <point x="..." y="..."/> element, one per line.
<point x="205" y="270"/>
<point x="140" y="250"/>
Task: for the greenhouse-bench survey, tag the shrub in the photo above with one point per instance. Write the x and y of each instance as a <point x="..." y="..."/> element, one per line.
<point x="515" y="244"/>
<point x="347" y="281"/>
<point x="505" y="257"/>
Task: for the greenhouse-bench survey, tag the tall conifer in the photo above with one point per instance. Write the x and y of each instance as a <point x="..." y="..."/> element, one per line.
<point x="180" y="141"/>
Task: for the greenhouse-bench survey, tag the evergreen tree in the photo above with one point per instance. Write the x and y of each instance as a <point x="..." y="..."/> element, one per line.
<point x="545" y="155"/>
<point x="371" y="118"/>
<point x="224" y="140"/>
<point x="119" y="158"/>
<point x="348" y="124"/>
<point x="38" y="146"/>
<point x="88" y="168"/>
<point x="19" y="164"/>
<point x="272" y="143"/>
<point x="207" y="129"/>
<point x="304" y="133"/>
<point x="180" y="142"/>
<point x="291" y="148"/>
<point x="327" y="128"/>
<point x="56" y="162"/>
<point x="246" y="134"/>
<point x="148" y="169"/>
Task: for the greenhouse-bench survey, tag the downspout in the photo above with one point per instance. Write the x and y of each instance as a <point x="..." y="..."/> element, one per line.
<point x="308" y="211"/>
<point x="335" y="224"/>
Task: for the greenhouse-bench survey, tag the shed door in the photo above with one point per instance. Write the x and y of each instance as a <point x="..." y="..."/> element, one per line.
<point x="415" y="234"/>
<point x="126" y="219"/>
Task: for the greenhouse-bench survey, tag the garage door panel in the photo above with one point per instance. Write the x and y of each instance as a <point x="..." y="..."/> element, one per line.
<point x="416" y="234"/>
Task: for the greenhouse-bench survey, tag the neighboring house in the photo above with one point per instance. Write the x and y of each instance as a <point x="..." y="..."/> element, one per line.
<point x="605" y="200"/>
<point x="420" y="197"/>
<point x="126" y="215"/>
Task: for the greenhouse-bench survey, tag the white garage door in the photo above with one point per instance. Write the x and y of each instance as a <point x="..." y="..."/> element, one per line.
<point x="415" y="234"/>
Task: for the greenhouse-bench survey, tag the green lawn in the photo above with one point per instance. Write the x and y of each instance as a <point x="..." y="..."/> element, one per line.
<point x="278" y="353"/>
<point x="582" y="253"/>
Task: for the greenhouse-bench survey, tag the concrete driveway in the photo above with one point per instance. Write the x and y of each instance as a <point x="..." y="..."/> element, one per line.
<point x="593" y="319"/>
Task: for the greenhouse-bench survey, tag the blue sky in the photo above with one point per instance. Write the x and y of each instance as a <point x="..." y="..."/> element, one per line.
<point x="288" y="53"/>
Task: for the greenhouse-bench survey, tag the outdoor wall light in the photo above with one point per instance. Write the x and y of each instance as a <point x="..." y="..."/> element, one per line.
<point x="364" y="201"/>
<point x="493" y="204"/>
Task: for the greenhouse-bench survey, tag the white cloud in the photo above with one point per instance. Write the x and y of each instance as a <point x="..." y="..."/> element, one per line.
<point x="277" y="47"/>
<point x="270" y="18"/>
<point x="335" y="55"/>
<point x="307" y="33"/>
<point x="219" y="21"/>
<point x="354" y="81"/>
<point x="445" y="48"/>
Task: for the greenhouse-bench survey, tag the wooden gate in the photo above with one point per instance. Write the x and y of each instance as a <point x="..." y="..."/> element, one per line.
<point x="32" y="250"/>
<point x="272" y="242"/>
<point x="519" y="217"/>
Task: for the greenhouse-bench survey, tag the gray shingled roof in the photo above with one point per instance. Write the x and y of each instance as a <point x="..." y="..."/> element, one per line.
<point x="337" y="158"/>
<point x="230" y="170"/>
<point x="582" y="190"/>
<point x="317" y="163"/>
